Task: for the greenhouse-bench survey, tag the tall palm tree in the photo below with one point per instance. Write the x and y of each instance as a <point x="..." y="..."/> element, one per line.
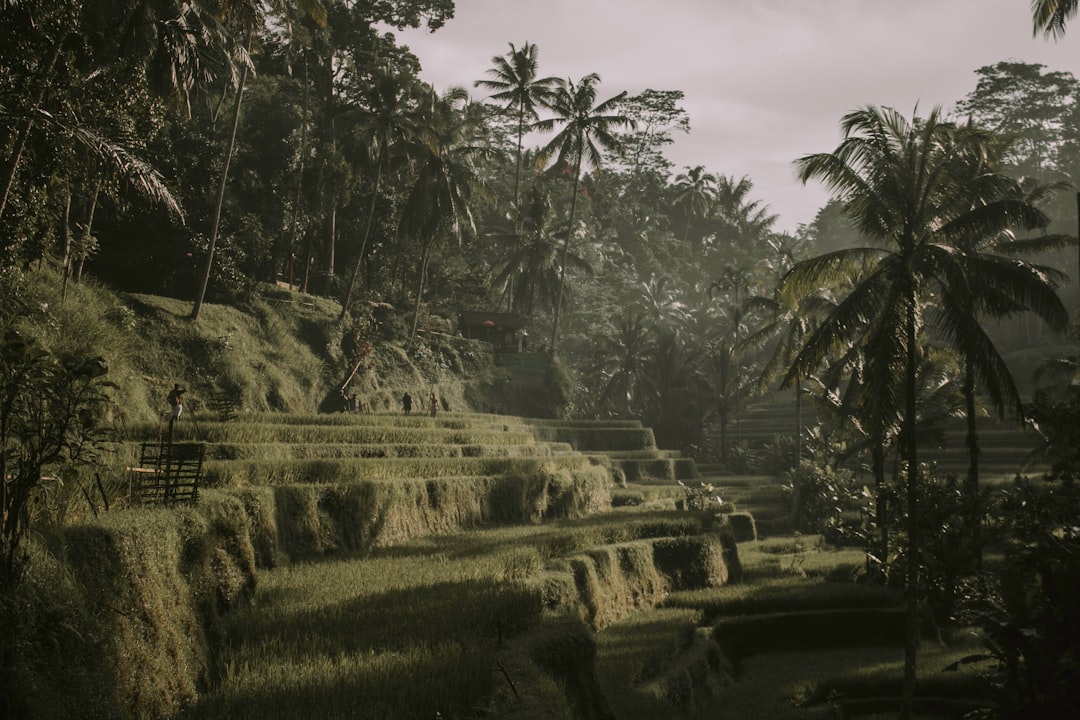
<point x="529" y="269"/>
<point x="695" y="191"/>
<point x="247" y="16"/>
<point x="513" y="80"/>
<point x="437" y="207"/>
<point x="388" y="118"/>
<point x="1049" y="16"/>
<point x="586" y="134"/>
<point x="908" y="188"/>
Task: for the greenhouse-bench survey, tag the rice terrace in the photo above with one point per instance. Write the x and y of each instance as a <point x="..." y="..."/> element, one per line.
<point x="328" y="393"/>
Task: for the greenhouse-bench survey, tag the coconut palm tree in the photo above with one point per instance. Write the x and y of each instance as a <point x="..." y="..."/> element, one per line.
<point x="617" y="372"/>
<point x="437" y="207"/>
<point x="388" y="118"/>
<point x="909" y="188"/>
<point x="695" y="191"/>
<point x="1049" y="16"/>
<point x="513" y="80"/>
<point x="247" y="16"/>
<point x="529" y="270"/>
<point x="586" y="134"/>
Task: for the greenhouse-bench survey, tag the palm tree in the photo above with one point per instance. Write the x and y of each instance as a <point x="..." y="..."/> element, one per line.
<point x="908" y="188"/>
<point x="585" y="136"/>
<point x="619" y="365"/>
<point x="247" y="16"/>
<point x="513" y="80"/>
<point x="387" y="119"/>
<point x="529" y="271"/>
<point x="1049" y="16"/>
<point x="695" y="191"/>
<point x="437" y="206"/>
<point x="741" y="219"/>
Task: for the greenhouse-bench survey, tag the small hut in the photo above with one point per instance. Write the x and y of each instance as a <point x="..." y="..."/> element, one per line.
<point x="507" y="332"/>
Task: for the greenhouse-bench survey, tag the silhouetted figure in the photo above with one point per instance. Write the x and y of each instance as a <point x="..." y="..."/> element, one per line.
<point x="434" y="405"/>
<point x="176" y="405"/>
<point x="176" y="401"/>
<point x="406" y="403"/>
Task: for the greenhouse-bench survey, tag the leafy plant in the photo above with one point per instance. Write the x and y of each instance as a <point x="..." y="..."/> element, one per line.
<point x="703" y="497"/>
<point x="51" y="407"/>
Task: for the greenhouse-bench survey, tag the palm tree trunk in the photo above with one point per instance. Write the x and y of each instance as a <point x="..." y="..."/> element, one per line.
<point x="565" y="254"/>
<point x="420" y="289"/>
<point x="971" y="486"/>
<point x="87" y="232"/>
<point x="67" y="241"/>
<point x="911" y="585"/>
<point x="197" y="309"/>
<point x="363" y="243"/>
<point x="881" y="503"/>
<point x="517" y="170"/>
<point x="294" y="223"/>
<point x="798" y="421"/>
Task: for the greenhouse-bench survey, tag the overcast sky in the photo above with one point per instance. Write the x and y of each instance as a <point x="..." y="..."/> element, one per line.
<point x="766" y="81"/>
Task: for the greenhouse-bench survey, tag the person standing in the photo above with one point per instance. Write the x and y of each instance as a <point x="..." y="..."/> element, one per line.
<point x="176" y="402"/>
<point x="406" y="403"/>
<point x="176" y="406"/>
<point x="434" y="405"/>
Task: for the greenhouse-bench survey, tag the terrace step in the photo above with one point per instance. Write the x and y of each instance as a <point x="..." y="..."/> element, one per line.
<point x="345" y="451"/>
<point x="346" y="470"/>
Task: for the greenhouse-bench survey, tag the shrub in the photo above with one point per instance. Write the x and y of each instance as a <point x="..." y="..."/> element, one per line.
<point x="825" y="499"/>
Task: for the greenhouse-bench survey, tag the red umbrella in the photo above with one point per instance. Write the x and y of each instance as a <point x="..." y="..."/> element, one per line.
<point x="488" y="323"/>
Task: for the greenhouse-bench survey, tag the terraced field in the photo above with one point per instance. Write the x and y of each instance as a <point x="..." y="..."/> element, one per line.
<point x="1004" y="446"/>
<point x="486" y="566"/>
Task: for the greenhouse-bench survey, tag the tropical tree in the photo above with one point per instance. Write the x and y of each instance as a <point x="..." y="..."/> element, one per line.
<point x="618" y="365"/>
<point x="513" y="80"/>
<point x="451" y="141"/>
<point x="585" y="135"/>
<point x="528" y="271"/>
<point x="55" y="56"/>
<point x="1050" y="16"/>
<point x="910" y="189"/>
<point x="250" y="21"/>
<point x="387" y="118"/>
<point x="694" y="192"/>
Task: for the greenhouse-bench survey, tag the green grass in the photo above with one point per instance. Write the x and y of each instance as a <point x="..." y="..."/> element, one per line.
<point x="238" y="473"/>
<point x="405" y="631"/>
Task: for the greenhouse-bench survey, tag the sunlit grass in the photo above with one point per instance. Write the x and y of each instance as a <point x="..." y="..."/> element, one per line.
<point x="405" y="631"/>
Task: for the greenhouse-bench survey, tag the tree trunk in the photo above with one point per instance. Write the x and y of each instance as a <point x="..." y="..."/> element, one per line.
<point x="971" y="485"/>
<point x="197" y="308"/>
<point x="294" y="223"/>
<point x="881" y="503"/>
<point x="67" y="241"/>
<point x="565" y="254"/>
<point x="87" y="233"/>
<point x="420" y="289"/>
<point x="367" y="234"/>
<point x="911" y="585"/>
<point x="12" y="163"/>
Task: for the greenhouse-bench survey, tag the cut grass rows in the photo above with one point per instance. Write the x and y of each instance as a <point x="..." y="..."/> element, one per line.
<point x="239" y="473"/>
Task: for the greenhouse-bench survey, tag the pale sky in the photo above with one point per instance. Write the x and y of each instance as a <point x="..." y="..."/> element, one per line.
<point x="765" y="81"/>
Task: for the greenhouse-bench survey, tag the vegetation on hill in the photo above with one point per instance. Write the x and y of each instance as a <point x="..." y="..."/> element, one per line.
<point x="290" y="140"/>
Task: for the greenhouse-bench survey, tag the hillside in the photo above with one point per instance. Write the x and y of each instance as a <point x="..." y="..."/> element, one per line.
<point x="277" y="351"/>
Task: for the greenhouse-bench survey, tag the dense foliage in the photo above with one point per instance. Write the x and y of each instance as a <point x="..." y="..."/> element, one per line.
<point x="197" y="149"/>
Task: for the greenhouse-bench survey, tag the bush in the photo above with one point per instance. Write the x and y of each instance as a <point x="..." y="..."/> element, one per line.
<point x="828" y="500"/>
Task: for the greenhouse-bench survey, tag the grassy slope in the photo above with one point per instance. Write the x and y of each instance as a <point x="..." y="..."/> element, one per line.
<point x="281" y="352"/>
